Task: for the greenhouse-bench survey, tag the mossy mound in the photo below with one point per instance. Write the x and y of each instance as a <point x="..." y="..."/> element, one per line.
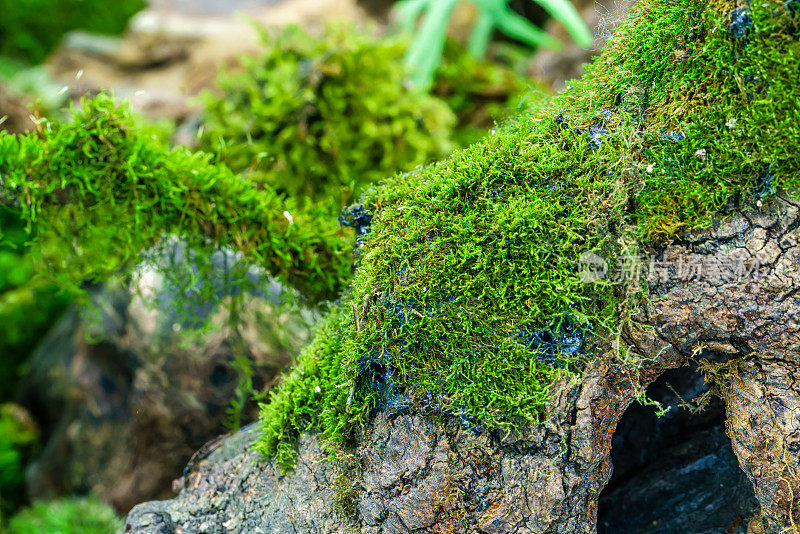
<point x="468" y="300"/>
<point x="73" y="515"/>
<point x="97" y="190"/>
<point x="320" y="118"/>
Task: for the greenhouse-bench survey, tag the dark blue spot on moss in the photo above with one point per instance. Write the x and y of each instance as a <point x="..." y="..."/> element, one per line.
<point x="356" y="217"/>
<point x="765" y="185"/>
<point x="596" y="134"/>
<point x="675" y="137"/>
<point x="377" y="371"/>
<point x="404" y="309"/>
<point x="497" y="190"/>
<point x="468" y="422"/>
<point x="558" y="346"/>
<point x="741" y="23"/>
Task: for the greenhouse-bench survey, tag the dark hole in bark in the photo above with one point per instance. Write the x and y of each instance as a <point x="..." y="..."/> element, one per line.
<point x="677" y="473"/>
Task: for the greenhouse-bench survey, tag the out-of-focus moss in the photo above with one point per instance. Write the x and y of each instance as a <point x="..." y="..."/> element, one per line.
<point x="481" y="93"/>
<point x="99" y="191"/>
<point x="18" y="438"/>
<point x="67" y="516"/>
<point x="27" y="306"/>
<point x="31" y="29"/>
<point x="318" y="119"/>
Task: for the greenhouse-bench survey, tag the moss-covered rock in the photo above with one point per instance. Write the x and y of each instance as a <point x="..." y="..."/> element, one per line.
<point x="468" y="299"/>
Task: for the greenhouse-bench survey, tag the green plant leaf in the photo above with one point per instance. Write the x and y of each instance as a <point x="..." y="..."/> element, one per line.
<point x="481" y="35"/>
<point x="407" y="13"/>
<point x="425" y="52"/>
<point x="518" y="27"/>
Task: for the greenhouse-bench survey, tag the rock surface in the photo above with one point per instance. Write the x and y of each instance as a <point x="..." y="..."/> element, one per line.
<point x="122" y="417"/>
<point x="735" y="312"/>
<point x="231" y="491"/>
<point x="681" y="461"/>
<point x="14" y="108"/>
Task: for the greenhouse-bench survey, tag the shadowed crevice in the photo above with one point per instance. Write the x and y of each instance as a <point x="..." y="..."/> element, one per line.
<point x="676" y="473"/>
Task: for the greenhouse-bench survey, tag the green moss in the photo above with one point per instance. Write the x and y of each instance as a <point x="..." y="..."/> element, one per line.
<point x="27" y="306"/>
<point x="320" y="118"/>
<point x="346" y="486"/>
<point x="67" y="516"/>
<point x="31" y="29"/>
<point x="18" y="439"/>
<point x="100" y="191"/>
<point x="325" y="118"/>
<point x="468" y="299"/>
<point x="480" y="92"/>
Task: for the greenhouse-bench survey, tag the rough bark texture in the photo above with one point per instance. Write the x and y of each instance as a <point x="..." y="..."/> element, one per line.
<point x="426" y="473"/>
<point x="755" y="330"/>
<point x="677" y="473"/>
<point x="232" y="491"/>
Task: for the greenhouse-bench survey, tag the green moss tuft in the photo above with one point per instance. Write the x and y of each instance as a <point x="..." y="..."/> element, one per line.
<point x="18" y="439"/>
<point x="325" y="118"/>
<point x="320" y="118"/>
<point x="67" y="516"/>
<point x="100" y="191"/>
<point x="28" y="306"/>
<point x="468" y="299"/>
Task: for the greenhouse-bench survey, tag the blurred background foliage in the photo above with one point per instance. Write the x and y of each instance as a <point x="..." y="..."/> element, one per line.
<point x="322" y="119"/>
<point x="319" y="119"/>
<point x="31" y="29"/>
<point x="73" y="515"/>
<point x="28" y="305"/>
<point x="433" y="16"/>
<point x="18" y="441"/>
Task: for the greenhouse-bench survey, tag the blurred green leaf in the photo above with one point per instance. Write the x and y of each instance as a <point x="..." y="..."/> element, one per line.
<point x="425" y="52"/>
